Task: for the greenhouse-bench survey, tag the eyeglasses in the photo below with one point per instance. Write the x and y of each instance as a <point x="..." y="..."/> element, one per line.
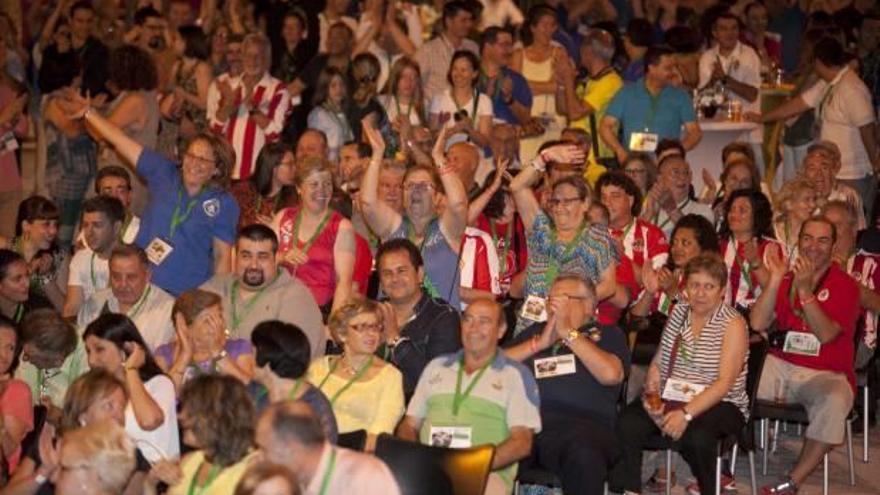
<point x="367" y="79"/>
<point x="202" y="161"/>
<point x="564" y="202"/>
<point x="418" y="186"/>
<point x="366" y="327"/>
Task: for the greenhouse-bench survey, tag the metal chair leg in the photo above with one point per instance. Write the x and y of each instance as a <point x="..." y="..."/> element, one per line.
<point x="799" y="428"/>
<point x="668" y="471"/>
<point x="849" y="453"/>
<point x="733" y="459"/>
<point x="717" y="475"/>
<point x="776" y="433"/>
<point x="865" y="413"/>
<point x="605" y="490"/>
<point x="825" y="475"/>
<point x="765" y="428"/>
<point x="761" y="435"/>
<point x="752" y="477"/>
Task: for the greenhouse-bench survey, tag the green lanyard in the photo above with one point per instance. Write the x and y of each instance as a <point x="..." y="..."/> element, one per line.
<point x="125" y="223"/>
<point x="139" y="304"/>
<point x="176" y="217"/>
<point x="304" y="247"/>
<point x="459" y="397"/>
<point x="212" y="475"/>
<point x="341" y="122"/>
<point x="295" y="389"/>
<point x="508" y="237"/>
<point x="19" y="313"/>
<point x="357" y="376"/>
<point x="680" y="207"/>
<point x="427" y="283"/>
<point x="408" y="110"/>
<point x="328" y="473"/>
<point x="553" y="269"/>
<point x="92" y="271"/>
<point x="248" y="306"/>
<point x="745" y="268"/>
<point x="259" y="205"/>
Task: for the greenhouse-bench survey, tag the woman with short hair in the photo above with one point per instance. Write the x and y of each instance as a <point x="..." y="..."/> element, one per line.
<point x="97" y="459"/>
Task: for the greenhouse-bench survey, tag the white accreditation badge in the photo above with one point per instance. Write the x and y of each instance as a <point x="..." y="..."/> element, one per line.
<point x="802" y="343"/>
<point x="158" y="249"/>
<point x="554" y="366"/>
<point x="643" y="141"/>
<point x="534" y="309"/>
<point x="681" y="390"/>
<point x="451" y="437"/>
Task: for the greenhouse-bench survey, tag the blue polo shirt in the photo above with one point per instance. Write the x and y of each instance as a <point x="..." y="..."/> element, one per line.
<point x="521" y="93"/>
<point x="214" y="215"/>
<point x="639" y="111"/>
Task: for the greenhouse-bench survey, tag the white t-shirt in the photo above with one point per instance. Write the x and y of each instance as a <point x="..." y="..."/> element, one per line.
<point x="744" y="65"/>
<point x="842" y="106"/>
<point x="152" y="315"/>
<point x="444" y="106"/>
<point x="390" y="104"/>
<point x="500" y="13"/>
<point x="163" y="442"/>
<point x="89" y="272"/>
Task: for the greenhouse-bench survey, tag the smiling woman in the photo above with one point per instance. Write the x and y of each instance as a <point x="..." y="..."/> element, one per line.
<point x="188" y="226"/>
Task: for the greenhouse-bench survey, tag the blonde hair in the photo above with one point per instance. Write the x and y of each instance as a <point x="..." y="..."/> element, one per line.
<point x="309" y="165"/>
<point x="103" y="448"/>
<point x="788" y="192"/>
<point x="90" y="387"/>
<point x="338" y="322"/>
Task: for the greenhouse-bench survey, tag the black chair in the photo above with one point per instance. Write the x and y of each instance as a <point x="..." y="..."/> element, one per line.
<point x="354" y="440"/>
<point x="424" y="470"/>
<point x="745" y="438"/>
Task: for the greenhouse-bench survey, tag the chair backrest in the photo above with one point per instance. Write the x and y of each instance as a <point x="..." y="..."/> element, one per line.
<point x="757" y="356"/>
<point x="423" y="470"/>
<point x="354" y="440"/>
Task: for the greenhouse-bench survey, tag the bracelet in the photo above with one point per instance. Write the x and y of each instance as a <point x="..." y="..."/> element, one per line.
<point x="539" y="164"/>
<point x="40" y="479"/>
<point x="808" y="300"/>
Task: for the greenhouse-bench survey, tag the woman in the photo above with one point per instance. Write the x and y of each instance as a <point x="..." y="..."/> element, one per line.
<point x="282" y="355"/>
<point x="267" y="479"/>
<point x="403" y="102"/>
<point x="494" y="211"/>
<point x="640" y="167"/>
<point x="135" y="109"/>
<point x="316" y="243"/>
<point x="795" y="204"/>
<point x="560" y="240"/>
<point x="36" y="232"/>
<point x="15" y="398"/>
<point x="189" y="224"/>
<point x="291" y="52"/>
<point x="692" y="236"/>
<point x="13" y="125"/>
<point x="222" y="436"/>
<point x="462" y="105"/>
<point x="739" y="173"/>
<point x="114" y="344"/>
<point x="537" y="62"/>
<point x="16" y="300"/>
<point x="184" y="106"/>
<point x="746" y="231"/>
<point x="328" y="115"/>
<point x="202" y="345"/>
<point x="366" y="392"/>
<point x="705" y="345"/>
<point x="98" y="459"/>
<point x="269" y="188"/>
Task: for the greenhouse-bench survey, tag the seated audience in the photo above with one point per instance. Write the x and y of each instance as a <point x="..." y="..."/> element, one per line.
<point x="258" y="290"/>
<point x="795" y="203"/>
<point x="641" y="168"/>
<point x="670" y="198"/>
<point x="821" y="167"/>
<point x="263" y="478"/>
<point x="462" y="108"/>
<point x="97" y="459"/>
<point x="16" y="296"/>
<point x="16" y="401"/>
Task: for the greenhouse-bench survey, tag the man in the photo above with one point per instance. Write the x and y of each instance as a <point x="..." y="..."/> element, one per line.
<point x="353" y="159"/>
<point x="288" y="433"/>
<point x="132" y="294"/>
<point x="820" y="167"/>
<point x="435" y="56"/>
<point x="418" y="327"/>
<point x="845" y="115"/>
<point x="249" y="110"/>
<point x="579" y="367"/>
<point x="869" y="53"/>
<point x="115" y="182"/>
<point x="669" y="198"/>
<point x="638" y="37"/>
<point x="258" y="290"/>
<point x="477" y="396"/>
<point x="89" y="271"/>
<point x="91" y="53"/>
<point x="737" y="67"/>
<point x="311" y="143"/>
<point x="334" y="11"/>
<point x="642" y="241"/>
<point x="508" y="89"/>
<point x="52" y="357"/>
<point x="650" y="110"/>
<point x="815" y="307"/>
<point x="586" y="104"/>
<point x="180" y="14"/>
<point x="464" y="158"/>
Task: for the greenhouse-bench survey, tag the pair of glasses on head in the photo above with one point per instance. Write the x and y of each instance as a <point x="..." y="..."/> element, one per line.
<point x="564" y="202"/>
<point x="366" y="327"/>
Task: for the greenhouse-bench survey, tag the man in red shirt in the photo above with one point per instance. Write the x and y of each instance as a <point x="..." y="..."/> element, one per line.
<point x="816" y="305"/>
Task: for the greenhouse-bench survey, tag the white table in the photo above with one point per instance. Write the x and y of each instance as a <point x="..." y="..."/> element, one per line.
<point x="717" y="134"/>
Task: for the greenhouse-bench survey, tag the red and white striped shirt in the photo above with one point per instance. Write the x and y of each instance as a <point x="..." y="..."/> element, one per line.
<point x="270" y="97"/>
<point x="865" y="268"/>
<point x="479" y="262"/>
<point x="742" y="287"/>
<point x="643" y="240"/>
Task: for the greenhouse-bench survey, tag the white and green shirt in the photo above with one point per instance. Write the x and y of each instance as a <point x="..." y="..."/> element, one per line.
<point x="504" y="396"/>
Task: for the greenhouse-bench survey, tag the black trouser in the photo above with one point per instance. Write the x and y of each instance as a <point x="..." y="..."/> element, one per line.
<point x="698" y="445"/>
<point x="577" y="449"/>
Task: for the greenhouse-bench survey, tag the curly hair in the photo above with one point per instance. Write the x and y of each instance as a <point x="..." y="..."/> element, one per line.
<point x="131" y="68"/>
<point x="624" y="182"/>
<point x="703" y="230"/>
<point x="762" y="214"/>
<point x="220" y="414"/>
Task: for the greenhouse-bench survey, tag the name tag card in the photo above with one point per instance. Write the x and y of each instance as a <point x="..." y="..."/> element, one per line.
<point x="534" y="309"/>
<point x="802" y="343"/>
<point x="158" y="250"/>
<point x="680" y="390"/>
<point x="454" y="437"/>
<point x="554" y="366"/>
<point x="643" y="141"/>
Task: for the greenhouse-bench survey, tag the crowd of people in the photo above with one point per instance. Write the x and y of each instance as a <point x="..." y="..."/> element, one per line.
<point x="235" y="235"/>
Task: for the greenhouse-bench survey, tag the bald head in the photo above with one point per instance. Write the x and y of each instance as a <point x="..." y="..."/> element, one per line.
<point x="464" y="158"/>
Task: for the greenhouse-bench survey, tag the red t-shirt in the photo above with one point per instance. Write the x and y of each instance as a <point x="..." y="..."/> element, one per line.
<point x="864" y="267"/>
<point x="838" y="296"/>
<point x="319" y="272"/>
<point x="513" y="258"/>
<point x="643" y="240"/>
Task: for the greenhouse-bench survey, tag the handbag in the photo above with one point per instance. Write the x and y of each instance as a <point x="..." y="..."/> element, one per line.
<point x="673" y="405"/>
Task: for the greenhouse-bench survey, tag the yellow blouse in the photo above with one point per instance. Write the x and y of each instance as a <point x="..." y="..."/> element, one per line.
<point x="374" y="405"/>
<point x="223" y="484"/>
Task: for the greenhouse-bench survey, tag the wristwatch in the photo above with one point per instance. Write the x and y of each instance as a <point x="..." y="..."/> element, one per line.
<point x="687" y="416"/>
<point x="573" y="335"/>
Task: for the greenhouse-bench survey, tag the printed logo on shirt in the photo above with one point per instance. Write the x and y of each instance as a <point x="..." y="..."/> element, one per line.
<point x="638" y="244"/>
<point x="823" y="295"/>
<point x="211" y="207"/>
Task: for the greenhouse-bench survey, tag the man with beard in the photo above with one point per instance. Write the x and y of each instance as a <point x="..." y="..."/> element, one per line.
<point x="151" y="33"/>
<point x="258" y="290"/>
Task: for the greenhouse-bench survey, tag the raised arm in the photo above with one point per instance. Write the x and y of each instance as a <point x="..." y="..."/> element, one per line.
<point x="761" y="315"/>
<point x="104" y="129"/>
<point x="521" y="185"/>
<point x="454" y="218"/>
<point x="479" y="203"/>
<point x="379" y="216"/>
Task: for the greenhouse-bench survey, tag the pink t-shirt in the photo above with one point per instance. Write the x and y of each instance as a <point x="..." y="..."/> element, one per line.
<point x="10" y="179"/>
<point x="15" y="401"/>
